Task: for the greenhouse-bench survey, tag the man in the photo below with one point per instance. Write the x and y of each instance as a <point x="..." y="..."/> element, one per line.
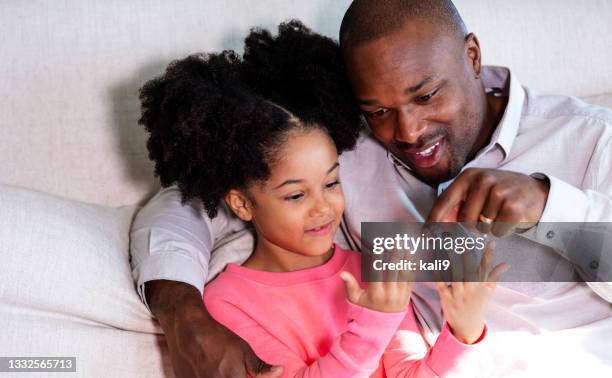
<point x="461" y="141"/>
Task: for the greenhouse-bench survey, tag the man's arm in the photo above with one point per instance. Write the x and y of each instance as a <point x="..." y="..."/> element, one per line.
<point x="170" y="248"/>
<point x="518" y="199"/>
<point x="592" y="203"/>
<point x="169" y="241"/>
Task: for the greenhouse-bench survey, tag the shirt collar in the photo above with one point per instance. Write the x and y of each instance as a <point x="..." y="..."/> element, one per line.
<point x="501" y="81"/>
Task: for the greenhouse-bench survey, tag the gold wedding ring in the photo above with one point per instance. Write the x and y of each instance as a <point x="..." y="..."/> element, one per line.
<point x="484" y="219"/>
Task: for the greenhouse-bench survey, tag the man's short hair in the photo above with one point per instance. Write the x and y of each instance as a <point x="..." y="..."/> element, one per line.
<point x="366" y="20"/>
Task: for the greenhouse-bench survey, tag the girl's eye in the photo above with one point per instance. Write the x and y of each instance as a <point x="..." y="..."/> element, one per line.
<point x="427" y="97"/>
<point x="377" y="113"/>
<point x="332" y="185"/>
<point x="294" y="197"/>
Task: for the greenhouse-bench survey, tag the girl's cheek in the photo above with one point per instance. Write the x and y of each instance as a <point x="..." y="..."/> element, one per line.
<point x="339" y="202"/>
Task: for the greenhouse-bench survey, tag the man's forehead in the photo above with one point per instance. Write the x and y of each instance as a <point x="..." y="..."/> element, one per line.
<point x="414" y="34"/>
<point x="402" y="60"/>
<point x="403" y="72"/>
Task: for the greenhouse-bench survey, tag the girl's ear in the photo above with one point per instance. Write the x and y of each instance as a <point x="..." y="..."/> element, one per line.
<point x="240" y="204"/>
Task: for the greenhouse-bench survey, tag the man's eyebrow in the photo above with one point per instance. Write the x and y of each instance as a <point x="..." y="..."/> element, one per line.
<point x="413" y="89"/>
<point x="420" y="85"/>
<point x="297" y="181"/>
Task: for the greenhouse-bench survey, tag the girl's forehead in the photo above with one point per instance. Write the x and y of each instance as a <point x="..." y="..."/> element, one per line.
<point x="314" y="144"/>
<point x="304" y="155"/>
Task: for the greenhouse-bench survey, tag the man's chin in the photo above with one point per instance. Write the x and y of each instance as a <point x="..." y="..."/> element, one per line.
<point x="435" y="175"/>
<point x="433" y="178"/>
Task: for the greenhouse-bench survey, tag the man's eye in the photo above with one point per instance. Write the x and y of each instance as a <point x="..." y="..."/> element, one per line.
<point x="294" y="197"/>
<point x="377" y="113"/>
<point x="427" y="97"/>
<point x="332" y="185"/>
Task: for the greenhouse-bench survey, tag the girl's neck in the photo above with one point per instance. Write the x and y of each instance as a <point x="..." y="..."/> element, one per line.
<point x="272" y="258"/>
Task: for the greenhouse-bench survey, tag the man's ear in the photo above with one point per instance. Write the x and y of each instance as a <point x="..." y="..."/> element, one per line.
<point x="240" y="204"/>
<point x="472" y="49"/>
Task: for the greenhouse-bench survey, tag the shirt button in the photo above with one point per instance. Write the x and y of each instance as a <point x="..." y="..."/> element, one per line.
<point x="550" y="234"/>
<point x="594" y="265"/>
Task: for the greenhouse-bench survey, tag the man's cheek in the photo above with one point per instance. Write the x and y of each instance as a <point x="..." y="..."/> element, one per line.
<point x="383" y="133"/>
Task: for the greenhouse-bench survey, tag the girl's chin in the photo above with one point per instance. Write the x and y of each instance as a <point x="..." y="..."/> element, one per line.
<point x="318" y="251"/>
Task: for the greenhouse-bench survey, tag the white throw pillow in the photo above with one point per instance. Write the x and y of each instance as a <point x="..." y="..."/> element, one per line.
<point x="66" y="287"/>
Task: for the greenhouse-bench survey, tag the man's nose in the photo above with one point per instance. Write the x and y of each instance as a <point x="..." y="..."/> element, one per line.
<point x="408" y="127"/>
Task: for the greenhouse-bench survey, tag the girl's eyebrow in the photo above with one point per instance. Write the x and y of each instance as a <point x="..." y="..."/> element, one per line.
<point x="334" y="166"/>
<point x="297" y="181"/>
<point x="287" y="182"/>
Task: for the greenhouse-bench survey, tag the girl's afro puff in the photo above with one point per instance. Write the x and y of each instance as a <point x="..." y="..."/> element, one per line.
<point x="303" y="72"/>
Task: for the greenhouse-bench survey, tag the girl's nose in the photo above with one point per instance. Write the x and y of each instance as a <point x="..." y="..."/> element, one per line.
<point x="321" y="207"/>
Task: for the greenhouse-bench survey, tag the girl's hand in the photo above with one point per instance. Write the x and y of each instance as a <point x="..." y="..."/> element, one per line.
<point x="378" y="296"/>
<point x="464" y="303"/>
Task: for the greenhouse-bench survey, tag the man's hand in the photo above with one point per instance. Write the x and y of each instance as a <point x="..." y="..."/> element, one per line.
<point x="509" y="199"/>
<point x="198" y="345"/>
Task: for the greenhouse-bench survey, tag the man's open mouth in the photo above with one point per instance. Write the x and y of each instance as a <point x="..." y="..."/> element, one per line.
<point x="428" y="156"/>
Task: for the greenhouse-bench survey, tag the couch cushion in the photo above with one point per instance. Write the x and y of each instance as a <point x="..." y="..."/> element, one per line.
<point x="66" y="287"/>
<point x="604" y="100"/>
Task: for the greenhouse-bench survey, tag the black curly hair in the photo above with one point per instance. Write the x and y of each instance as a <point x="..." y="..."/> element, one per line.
<point x="217" y="121"/>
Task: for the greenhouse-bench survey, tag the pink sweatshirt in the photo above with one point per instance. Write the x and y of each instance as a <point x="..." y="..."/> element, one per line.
<point x="303" y="321"/>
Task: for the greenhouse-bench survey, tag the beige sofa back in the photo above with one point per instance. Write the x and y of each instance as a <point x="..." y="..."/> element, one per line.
<point x="70" y="72"/>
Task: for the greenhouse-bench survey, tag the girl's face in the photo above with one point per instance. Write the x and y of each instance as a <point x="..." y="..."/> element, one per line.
<point x="299" y="208"/>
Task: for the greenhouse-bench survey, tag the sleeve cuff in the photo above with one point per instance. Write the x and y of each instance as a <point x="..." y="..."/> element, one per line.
<point x="447" y="350"/>
<point x="565" y="203"/>
<point x="172" y="266"/>
<point x="368" y="334"/>
<point x="364" y="314"/>
<point x="377" y="322"/>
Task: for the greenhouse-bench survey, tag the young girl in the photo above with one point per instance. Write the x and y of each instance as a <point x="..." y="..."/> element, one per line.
<point x="262" y="136"/>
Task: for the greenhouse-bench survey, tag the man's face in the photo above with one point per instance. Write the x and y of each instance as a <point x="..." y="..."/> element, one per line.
<point x="420" y="92"/>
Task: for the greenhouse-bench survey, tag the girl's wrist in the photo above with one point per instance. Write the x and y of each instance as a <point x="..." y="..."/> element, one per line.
<point x="468" y="336"/>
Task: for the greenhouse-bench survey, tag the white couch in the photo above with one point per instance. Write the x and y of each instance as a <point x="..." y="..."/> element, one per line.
<point x="74" y="165"/>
